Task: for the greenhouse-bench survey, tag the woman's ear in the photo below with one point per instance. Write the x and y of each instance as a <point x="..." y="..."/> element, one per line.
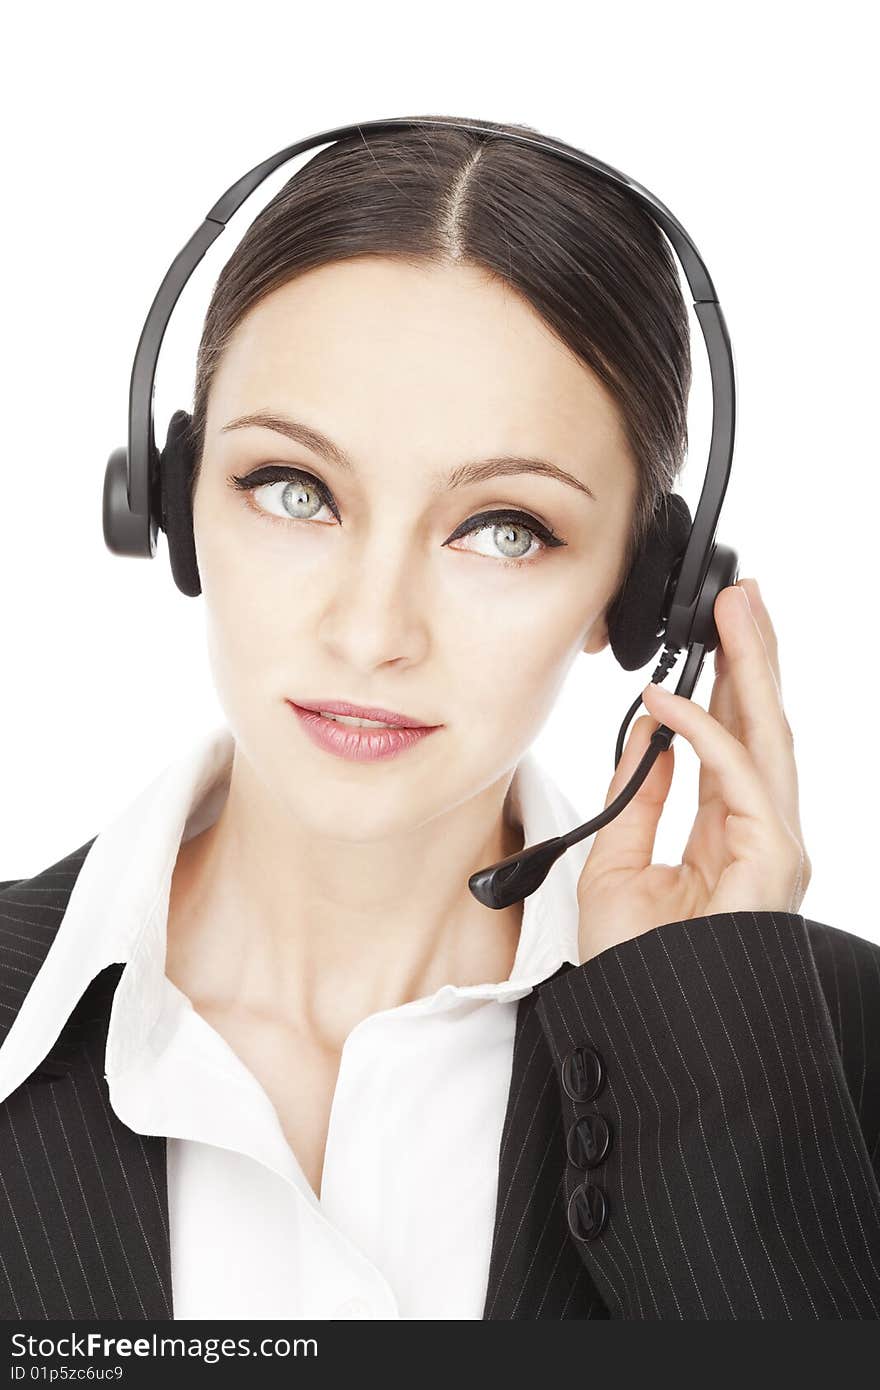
<point x="597" y="641"/>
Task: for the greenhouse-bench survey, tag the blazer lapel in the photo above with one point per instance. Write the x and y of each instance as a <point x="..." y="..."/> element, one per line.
<point x="84" y="1229"/>
<point x="83" y="1199"/>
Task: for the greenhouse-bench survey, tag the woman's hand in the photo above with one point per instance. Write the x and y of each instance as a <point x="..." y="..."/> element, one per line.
<point x="745" y="850"/>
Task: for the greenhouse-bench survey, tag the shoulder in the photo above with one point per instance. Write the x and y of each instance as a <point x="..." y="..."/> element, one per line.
<point x="60" y="873"/>
<point x="31" y="911"/>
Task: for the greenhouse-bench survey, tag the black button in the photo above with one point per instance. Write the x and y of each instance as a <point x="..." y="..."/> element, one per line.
<point x="587" y="1211"/>
<point x="583" y="1074"/>
<point x="589" y="1140"/>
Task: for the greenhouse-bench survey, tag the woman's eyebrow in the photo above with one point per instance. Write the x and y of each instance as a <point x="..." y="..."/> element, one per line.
<point x="461" y="476"/>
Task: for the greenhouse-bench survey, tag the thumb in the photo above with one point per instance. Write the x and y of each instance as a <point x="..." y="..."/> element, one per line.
<point x="628" y="841"/>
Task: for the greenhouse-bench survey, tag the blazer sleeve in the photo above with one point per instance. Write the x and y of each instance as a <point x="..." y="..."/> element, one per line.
<point x="738" y="1181"/>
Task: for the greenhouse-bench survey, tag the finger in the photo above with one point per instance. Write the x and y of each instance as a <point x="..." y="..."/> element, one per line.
<point x="768" y="634"/>
<point x="722" y="706"/>
<point x="765" y="626"/>
<point x="742" y="786"/>
<point x="708" y="851"/>
<point x="628" y="841"/>
<point x="762" y="726"/>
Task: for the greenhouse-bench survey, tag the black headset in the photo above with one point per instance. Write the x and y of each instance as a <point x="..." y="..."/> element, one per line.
<point x="670" y="591"/>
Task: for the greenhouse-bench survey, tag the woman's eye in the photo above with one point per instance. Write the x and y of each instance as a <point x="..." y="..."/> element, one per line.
<point x="281" y="493"/>
<point x="513" y="537"/>
<point x="285" y="494"/>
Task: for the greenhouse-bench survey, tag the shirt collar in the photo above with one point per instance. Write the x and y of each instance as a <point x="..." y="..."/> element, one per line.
<point x="117" y="911"/>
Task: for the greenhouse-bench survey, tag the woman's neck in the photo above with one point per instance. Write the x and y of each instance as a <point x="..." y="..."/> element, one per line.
<point x="265" y="917"/>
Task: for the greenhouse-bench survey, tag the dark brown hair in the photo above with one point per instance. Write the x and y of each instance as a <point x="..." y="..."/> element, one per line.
<point x="591" y="262"/>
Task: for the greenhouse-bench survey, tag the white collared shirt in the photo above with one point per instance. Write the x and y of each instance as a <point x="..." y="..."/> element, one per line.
<point x="404" y="1224"/>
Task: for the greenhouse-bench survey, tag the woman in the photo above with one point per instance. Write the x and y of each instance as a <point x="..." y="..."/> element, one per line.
<point x="301" y="1072"/>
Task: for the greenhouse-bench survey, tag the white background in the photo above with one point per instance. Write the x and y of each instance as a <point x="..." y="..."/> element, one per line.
<point x="122" y="125"/>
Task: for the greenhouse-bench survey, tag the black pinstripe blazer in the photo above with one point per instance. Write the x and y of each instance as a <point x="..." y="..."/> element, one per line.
<point x="691" y="1132"/>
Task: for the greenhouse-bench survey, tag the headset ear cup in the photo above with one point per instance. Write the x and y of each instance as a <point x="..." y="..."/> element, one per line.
<point x="175" y="482"/>
<point x="635" y="617"/>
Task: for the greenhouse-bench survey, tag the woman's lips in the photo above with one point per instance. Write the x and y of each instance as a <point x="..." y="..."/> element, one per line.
<point x="374" y="712"/>
<point x="363" y="744"/>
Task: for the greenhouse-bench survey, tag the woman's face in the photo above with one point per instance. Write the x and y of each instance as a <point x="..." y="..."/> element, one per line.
<point x="357" y="582"/>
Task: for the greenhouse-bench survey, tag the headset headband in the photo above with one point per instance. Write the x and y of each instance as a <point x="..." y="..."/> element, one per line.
<point x="142" y="457"/>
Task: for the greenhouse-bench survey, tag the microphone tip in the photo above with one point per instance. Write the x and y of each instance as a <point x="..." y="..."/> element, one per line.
<point x="508" y="882"/>
<point x="484" y="885"/>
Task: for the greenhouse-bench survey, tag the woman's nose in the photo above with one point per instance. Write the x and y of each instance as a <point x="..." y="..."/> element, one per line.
<point x="375" y="607"/>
